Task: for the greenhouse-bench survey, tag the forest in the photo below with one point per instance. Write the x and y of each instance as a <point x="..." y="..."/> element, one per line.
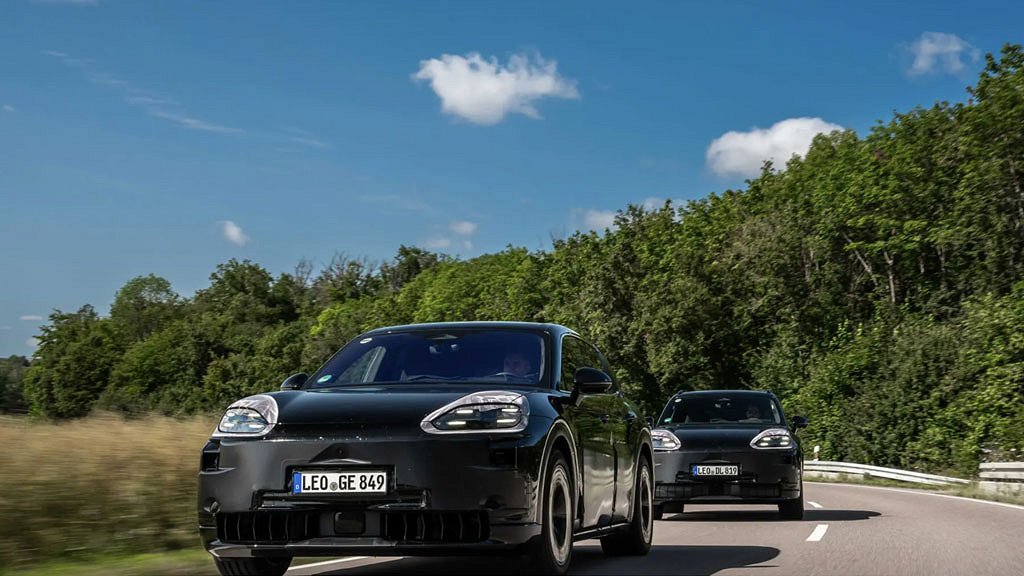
<point x="876" y="284"/>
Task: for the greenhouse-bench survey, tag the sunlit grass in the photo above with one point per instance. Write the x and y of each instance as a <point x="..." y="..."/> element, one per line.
<point x="96" y="486"/>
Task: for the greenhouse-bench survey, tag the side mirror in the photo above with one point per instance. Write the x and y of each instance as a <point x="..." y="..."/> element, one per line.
<point x="591" y="381"/>
<point x="799" y="422"/>
<point x="295" y="381"/>
<point x="649" y="420"/>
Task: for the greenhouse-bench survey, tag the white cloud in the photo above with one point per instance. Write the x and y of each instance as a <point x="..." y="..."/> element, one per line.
<point x="485" y="91"/>
<point x="32" y="342"/>
<point x="599" y="219"/>
<point x="233" y="233"/>
<point x="463" y="228"/>
<point x="8" y="108"/>
<point x="31" y="317"/>
<point x="936" y="52"/>
<point x="69" y="2"/>
<point x="743" y="153"/>
<point x="438" y="243"/>
<point x="191" y="123"/>
<point x="305" y="138"/>
<point x="155" y="105"/>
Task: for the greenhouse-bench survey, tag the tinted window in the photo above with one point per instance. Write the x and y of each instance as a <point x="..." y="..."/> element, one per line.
<point x="578" y="354"/>
<point x="449" y="356"/>
<point x="721" y="409"/>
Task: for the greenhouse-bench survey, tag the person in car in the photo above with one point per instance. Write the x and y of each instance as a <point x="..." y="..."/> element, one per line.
<point x="517" y="363"/>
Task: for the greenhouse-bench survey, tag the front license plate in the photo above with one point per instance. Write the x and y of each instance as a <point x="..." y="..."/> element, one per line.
<point x="363" y="482"/>
<point x="715" y="470"/>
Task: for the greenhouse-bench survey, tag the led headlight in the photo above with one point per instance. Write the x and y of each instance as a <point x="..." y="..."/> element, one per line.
<point x="773" y="438"/>
<point x="664" y="441"/>
<point x="496" y="411"/>
<point x="252" y="416"/>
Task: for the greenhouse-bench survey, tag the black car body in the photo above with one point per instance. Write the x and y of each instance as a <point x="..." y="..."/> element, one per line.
<point x="444" y="448"/>
<point x="727" y="447"/>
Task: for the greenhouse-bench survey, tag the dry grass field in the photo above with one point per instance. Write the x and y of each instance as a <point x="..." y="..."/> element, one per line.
<point x="100" y="485"/>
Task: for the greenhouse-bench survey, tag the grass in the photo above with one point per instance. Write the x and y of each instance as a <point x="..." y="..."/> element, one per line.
<point x="97" y="487"/>
<point x="194" y="562"/>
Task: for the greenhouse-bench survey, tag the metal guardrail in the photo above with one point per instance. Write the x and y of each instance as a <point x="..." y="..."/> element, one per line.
<point x="1002" y="471"/>
<point x="866" y="470"/>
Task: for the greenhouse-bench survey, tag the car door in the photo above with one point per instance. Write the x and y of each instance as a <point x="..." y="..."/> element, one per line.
<point x="624" y="424"/>
<point x="589" y="418"/>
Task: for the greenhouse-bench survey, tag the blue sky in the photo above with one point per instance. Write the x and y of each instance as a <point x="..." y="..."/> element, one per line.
<point x="165" y="138"/>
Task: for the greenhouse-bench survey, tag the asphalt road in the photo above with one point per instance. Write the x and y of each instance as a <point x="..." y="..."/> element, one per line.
<point x="846" y="530"/>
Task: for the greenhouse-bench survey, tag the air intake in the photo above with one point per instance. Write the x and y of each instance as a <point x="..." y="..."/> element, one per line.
<point x="267" y="527"/>
<point x="434" y="526"/>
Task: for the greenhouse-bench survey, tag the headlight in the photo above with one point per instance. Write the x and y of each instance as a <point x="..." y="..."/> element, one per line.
<point x="664" y="441"/>
<point x="496" y="411"/>
<point x="252" y="416"/>
<point x="777" y="438"/>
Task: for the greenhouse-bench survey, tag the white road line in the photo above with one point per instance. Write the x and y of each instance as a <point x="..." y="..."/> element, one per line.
<point x="814" y="504"/>
<point x="818" y="534"/>
<point x="922" y="493"/>
<point x="328" y="562"/>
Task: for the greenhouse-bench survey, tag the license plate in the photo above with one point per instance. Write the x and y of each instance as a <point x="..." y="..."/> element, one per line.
<point x="362" y="482"/>
<point x="715" y="470"/>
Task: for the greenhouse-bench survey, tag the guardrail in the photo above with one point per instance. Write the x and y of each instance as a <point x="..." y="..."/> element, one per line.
<point x="835" y="469"/>
<point x="1002" y="478"/>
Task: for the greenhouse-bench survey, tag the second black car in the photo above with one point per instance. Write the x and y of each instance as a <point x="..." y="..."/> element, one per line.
<point x="727" y="447"/>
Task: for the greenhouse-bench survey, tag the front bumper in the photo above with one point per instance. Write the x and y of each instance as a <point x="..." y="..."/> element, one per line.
<point x="766" y="477"/>
<point x="448" y="495"/>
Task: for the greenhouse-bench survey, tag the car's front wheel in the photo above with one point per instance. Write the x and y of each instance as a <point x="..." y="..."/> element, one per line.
<point x="552" y="553"/>
<point x="636" y="540"/>
<point x="793" y="509"/>
<point x="253" y="566"/>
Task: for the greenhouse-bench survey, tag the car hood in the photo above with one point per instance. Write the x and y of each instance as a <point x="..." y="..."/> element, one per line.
<point x="718" y="437"/>
<point x="365" y="406"/>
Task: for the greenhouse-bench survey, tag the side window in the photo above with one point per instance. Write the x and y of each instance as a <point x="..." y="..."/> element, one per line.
<point x="578" y="354"/>
<point x="606" y="368"/>
<point x="571" y="360"/>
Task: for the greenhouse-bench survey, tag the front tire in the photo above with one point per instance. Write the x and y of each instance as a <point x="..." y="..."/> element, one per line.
<point x="552" y="552"/>
<point x="793" y="509"/>
<point x="636" y="540"/>
<point x="253" y="566"/>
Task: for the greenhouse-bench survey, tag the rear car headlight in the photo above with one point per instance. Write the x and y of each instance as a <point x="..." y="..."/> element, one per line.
<point x="664" y="441"/>
<point x="252" y="416"/>
<point x="773" y="438"/>
<point x="496" y="411"/>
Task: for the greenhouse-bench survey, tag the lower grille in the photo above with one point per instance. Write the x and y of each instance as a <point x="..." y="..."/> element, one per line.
<point x="266" y="527"/>
<point x="433" y="526"/>
<point x="697" y="490"/>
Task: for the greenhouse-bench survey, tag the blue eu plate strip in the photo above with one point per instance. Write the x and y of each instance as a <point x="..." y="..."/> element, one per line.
<point x="296" y="483"/>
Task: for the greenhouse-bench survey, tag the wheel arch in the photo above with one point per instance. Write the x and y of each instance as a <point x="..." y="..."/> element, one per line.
<point x="561" y="438"/>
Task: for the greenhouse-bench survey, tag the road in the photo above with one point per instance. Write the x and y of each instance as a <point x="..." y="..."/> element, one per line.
<point x="847" y="530"/>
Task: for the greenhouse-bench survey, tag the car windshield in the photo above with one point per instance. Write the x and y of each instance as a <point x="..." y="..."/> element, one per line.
<point x="436" y="356"/>
<point x="720" y="409"/>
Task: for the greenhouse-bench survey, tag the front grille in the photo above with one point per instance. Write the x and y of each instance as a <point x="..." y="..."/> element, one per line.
<point x="267" y="527"/>
<point x="698" y="490"/>
<point x="434" y="526"/>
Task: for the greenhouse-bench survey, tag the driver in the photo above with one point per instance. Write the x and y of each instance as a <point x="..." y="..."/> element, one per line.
<point x="753" y="413"/>
<point x="517" y="363"/>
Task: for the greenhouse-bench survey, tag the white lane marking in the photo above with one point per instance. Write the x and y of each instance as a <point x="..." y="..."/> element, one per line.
<point x="338" y="561"/>
<point x="814" y="504"/>
<point x="818" y="534"/>
<point x="978" y="500"/>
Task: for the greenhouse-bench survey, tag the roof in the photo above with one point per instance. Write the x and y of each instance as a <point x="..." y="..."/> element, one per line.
<point x="474" y="325"/>
<point x="735" y="392"/>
